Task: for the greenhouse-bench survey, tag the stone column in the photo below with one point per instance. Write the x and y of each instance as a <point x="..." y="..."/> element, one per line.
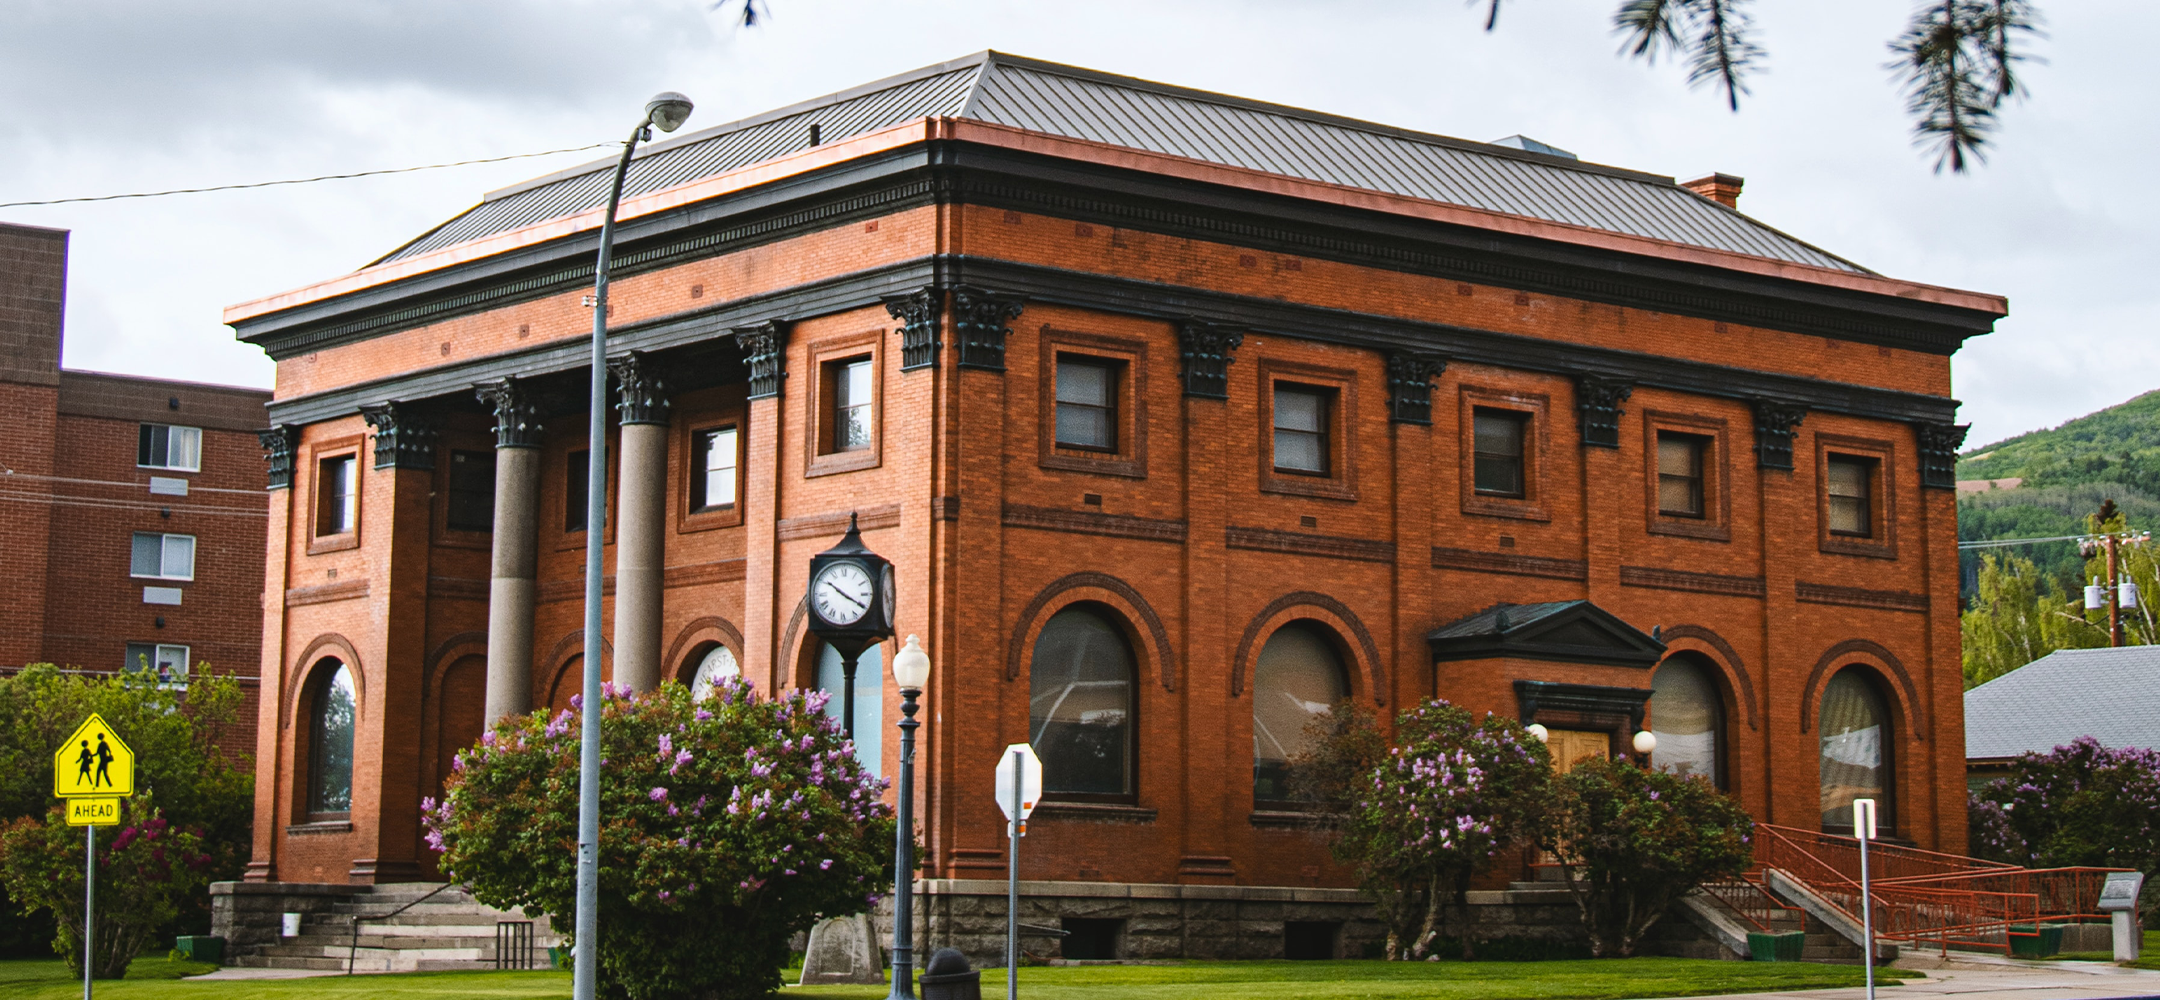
<point x="517" y="548"/>
<point x="642" y="505"/>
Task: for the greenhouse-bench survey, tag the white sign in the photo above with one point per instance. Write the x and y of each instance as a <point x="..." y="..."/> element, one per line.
<point x="2120" y="892"/>
<point x="1863" y="818"/>
<point x="1030" y="781"/>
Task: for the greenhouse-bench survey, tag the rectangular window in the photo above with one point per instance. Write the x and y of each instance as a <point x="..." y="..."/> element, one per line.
<point x="854" y="400"/>
<point x="1680" y="474"/>
<point x="472" y="491"/>
<point x="574" y="499"/>
<point x="162" y="557"/>
<point x="1850" y="482"/>
<point x="169" y="662"/>
<point x="1301" y="429"/>
<point x="714" y="485"/>
<point x="1497" y="452"/>
<point x="161" y="446"/>
<point x="337" y="495"/>
<point x="1087" y="404"/>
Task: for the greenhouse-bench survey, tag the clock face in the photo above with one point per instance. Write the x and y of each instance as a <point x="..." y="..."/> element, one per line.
<point x="886" y="592"/>
<point x="841" y="593"/>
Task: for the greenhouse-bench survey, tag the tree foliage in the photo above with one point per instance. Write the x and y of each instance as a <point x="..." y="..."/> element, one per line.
<point x="1636" y="841"/>
<point x="1432" y="812"/>
<point x="147" y="870"/>
<point x="742" y="817"/>
<point x="2019" y="615"/>
<point x="177" y="733"/>
<point x="2077" y="805"/>
<point x="1955" y="59"/>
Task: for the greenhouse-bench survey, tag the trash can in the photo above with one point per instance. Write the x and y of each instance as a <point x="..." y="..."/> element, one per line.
<point x="948" y="977"/>
<point x="2028" y="941"/>
<point x="1781" y="946"/>
<point x="200" y="948"/>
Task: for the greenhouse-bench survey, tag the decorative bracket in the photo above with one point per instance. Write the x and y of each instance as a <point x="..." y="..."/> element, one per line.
<point x="642" y="395"/>
<point x="403" y="439"/>
<point x="517" y="415"/>
<point x="1409" y="385"/>
<point x="919" y="314"/>
<point x="1597" y="408"/>
<point x="1206" y="349"/>
<point x="1939" y="444"/>
<point x="1774" y="424"/>
<point x="765" y="350"/>
<point x="280" y="445"/>
<point x="980" y="318"/>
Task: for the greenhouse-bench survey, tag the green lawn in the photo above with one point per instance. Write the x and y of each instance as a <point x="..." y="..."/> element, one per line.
<point x="2150" y="952"/>
<point x="153" y="979"/>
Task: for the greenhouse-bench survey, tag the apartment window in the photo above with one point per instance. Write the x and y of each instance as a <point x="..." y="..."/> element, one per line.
<point x="337" y="495"/>
<point x="472" y="491"/>
<point x="168" y="662"/>
<point x="1497" y="452"/>
<point x="717" y="457"/>
<point x="1680" y="474"/>
<point x="1301" y="429"/>
<point x="854" y="395"/>
<point x="1850" y="483"/>
<point x="1087" y="404"/>
<point x="163" y="557"/>
<point x="161" y="446"/>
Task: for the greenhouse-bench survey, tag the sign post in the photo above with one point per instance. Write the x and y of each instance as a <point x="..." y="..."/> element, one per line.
<point x="1019" y="787"/>
<point x="1863" y="826"/>
<point x="93" y="770"/>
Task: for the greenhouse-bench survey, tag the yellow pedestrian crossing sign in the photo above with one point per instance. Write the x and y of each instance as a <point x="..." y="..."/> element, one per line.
<point x="93" y="763"/>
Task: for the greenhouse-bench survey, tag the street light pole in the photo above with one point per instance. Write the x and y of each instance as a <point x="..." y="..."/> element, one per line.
<point x="668" y="110"/>
<point x="911" y="669"/>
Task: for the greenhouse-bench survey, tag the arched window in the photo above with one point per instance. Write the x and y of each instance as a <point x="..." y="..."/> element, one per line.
<point x="1298" y="678"/>
<point x="1856" y="749"/>
<point x="1080" y="705"/>
<point x="869" y="698"/>
<point x="1687" y="716"/>
<point x="332" y="713"/>
<point x="716" y="664"/>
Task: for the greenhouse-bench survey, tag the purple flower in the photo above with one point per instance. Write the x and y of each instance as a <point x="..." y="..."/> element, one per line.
<point x="657" y="795"/>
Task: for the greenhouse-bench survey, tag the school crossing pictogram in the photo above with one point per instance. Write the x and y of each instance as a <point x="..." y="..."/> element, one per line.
<point x="93" y="763"/>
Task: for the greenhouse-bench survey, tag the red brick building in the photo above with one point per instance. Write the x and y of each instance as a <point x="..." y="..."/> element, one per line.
<point x="131" y="508"/>
<point x="1180" y="414"/>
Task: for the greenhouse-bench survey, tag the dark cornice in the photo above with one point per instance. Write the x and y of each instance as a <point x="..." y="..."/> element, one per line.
<point x="1144" y="299"/>
<point x="977" y="174"/>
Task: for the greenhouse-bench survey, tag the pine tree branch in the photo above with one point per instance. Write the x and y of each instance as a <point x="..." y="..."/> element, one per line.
<point x="1492" y="13"/>
<point x="1724" y="52"/>
<point x="1958" y="60"/>
<point x="1650" y="28"/>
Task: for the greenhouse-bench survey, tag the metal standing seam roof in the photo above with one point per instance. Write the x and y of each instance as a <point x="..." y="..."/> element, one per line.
<point x="2111" y="695"/>
<point x="1088" y="105"/>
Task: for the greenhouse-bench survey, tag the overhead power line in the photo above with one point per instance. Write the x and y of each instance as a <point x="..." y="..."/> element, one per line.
<point x="1999" y="543"/>
<point x="305" y="180"/>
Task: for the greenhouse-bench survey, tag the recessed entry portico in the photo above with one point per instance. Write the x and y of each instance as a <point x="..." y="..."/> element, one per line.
<point x="1572" y="666"/>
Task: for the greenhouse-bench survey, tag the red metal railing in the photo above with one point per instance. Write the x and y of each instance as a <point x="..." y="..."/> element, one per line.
<point x="1755" y="906"/>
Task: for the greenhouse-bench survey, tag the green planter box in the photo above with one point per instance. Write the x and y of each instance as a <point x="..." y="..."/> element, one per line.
<point x="200" y="948"/>
<point x="2029" y="942"/>
<point x="558" y="957"/>
<point x="1780" y="947"/>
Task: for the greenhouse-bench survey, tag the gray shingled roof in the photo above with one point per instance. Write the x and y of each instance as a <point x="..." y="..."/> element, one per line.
<point x="1500" y="619"/>
<point x="1085" y="104"/>
<point x="2111" y="695"/>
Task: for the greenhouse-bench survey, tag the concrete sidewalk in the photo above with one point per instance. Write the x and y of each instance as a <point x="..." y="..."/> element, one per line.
<point x="2000" y="980"/>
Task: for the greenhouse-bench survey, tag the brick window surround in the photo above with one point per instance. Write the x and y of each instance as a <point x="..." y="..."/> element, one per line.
<point x="454" y="459"/>
<point x="828" y="363"/>
<point x="1339" y="386"/>
<point x="1881" y="458"/>
<point x="319" y="494"/>
<point x="1532" y="409"/>
<point x="1126" y="361"/>
<point x="715" y="512"/>
<point x="556" y="478"/>
<point x="1710" y="433"/>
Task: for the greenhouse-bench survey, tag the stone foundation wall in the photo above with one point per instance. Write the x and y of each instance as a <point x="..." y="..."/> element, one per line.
<point x="248" y="915"/>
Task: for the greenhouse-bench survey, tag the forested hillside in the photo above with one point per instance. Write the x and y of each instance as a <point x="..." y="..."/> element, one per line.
<point x="2066" y="471"/>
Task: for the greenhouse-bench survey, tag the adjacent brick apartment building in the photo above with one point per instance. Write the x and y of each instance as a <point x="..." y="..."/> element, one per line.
<point x="131" y="509"/>
<point x="1181" y="415"/>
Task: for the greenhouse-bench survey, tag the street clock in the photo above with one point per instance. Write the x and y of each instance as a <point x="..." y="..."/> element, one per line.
<point x="851" y="605"/>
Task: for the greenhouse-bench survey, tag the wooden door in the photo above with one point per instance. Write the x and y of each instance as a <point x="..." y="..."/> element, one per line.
<point x="1571" y="745"/>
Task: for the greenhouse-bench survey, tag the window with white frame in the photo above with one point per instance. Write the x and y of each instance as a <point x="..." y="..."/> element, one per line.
<point x="714" y="485"/>
<point x="162" y="446"/>
<point x="163" y="557"/>
<point x="169" y="662"/>
<point x="337" y="495"/>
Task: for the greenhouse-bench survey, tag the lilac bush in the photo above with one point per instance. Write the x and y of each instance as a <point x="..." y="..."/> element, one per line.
<point x="727" y="825"/>
<point x="1450" y="794"/>
<point x="1637" y="840"/>
<point x="2081" y="804"/>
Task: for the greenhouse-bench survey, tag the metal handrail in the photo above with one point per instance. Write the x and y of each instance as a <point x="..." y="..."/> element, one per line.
<point x="354" y="947"/>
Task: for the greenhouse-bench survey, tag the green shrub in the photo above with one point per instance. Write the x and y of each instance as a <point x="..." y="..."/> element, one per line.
<point x="1636" y="841"/>
<point x="727" y="825"/>
<point x="147" y="869"/>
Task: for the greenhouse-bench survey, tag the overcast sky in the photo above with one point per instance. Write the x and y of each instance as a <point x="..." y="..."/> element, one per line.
<point x="128" y="95"/>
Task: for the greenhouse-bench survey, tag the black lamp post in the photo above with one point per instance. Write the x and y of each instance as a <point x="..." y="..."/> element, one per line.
<point x="910" y="670"/>
<point x="667" y="110"/>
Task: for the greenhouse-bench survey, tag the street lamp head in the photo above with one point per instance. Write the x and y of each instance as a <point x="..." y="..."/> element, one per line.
<point x="1645" y="742"/>
<point x="668" y="110"/>
<point x="911" y="669"/>
<point x="1540" y="732"/>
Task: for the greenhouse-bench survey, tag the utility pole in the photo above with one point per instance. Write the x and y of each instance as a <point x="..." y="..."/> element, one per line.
<point x="2115" y="635"/>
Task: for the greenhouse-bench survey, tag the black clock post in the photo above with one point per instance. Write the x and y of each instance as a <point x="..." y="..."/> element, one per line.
<point x="851" y="607"/>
